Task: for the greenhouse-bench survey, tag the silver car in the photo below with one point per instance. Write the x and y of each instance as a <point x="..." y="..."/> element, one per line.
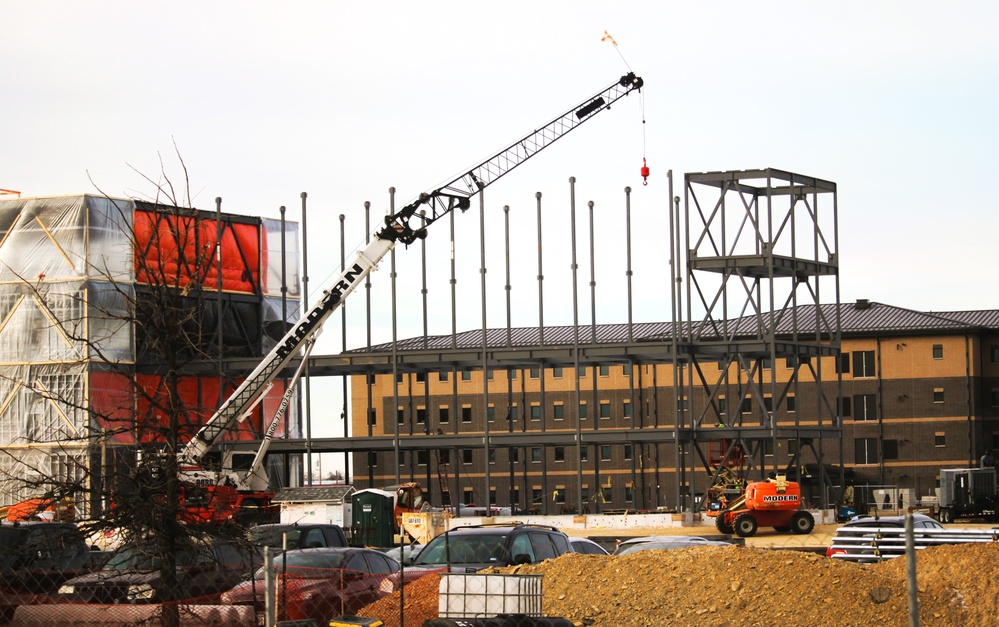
<point x="651" y="543"/>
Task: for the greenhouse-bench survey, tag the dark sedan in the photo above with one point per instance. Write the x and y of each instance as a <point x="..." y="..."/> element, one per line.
<point x="323" y="583"/>
<point x="205" y="569"/>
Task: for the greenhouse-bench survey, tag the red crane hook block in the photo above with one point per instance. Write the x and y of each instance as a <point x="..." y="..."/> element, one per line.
<point x="645" y="172"/>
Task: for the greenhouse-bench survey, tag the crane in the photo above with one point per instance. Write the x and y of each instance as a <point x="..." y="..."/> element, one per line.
<point x="406" y="225"/>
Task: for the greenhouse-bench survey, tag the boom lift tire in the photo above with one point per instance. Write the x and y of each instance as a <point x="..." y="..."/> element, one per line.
<point x="802" y="522"/>
<point x="745" y="526"/>
<point x="722" y="527"/>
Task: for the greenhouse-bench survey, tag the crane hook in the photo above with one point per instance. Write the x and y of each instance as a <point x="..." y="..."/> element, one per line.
<point x="645" y="172"/>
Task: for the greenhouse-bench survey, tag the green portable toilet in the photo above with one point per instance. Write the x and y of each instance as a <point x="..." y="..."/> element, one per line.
<point x="373" y="518"/>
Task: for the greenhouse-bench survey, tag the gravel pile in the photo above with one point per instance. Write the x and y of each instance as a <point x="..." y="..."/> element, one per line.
<point x="729" y="586"/>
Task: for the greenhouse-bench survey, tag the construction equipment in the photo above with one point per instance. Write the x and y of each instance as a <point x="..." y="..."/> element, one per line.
<point x="773" y="503"/>
<point x="968" y="493"/>
<point x="426" y="209"/>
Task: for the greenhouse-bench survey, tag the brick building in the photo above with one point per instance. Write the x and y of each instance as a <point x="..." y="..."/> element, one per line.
<point x="919" y="391"/>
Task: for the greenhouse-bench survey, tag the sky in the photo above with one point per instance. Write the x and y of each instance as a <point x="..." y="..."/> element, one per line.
<point x="256" y="102"/>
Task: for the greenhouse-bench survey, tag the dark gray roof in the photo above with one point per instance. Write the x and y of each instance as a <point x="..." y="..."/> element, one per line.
<point x="856" y="319"/>
<point x="308" y="494"/>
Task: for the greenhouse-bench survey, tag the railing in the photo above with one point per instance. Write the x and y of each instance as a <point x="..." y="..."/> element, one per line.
<point x="874" y="544"/>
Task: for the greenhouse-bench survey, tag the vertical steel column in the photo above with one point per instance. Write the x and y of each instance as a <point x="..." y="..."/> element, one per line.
<point x="485" y="346"/>
<point x="302" y="304"/>
<point x="395" y="353"/>
<point x="541" y="280"/>
<point x="575" y="349"/>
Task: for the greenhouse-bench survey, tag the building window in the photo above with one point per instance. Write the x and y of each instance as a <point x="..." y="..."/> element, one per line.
<point x="559" y="453"/>
<point x="536" y="496"/>
<point x="466" y="413"/>
<point x="585" y="493"/>
<point x="626" y="370"/>
<point x="606" y="495"/>
<point x="626" y="409"/>
<point x="442" y="376"/>
<point x="768" y="448"/>
<point x="402" y="458"/>
<point x="422" y="458"/>
<point x="372" y="416"/>
<point x="398" y="377"/>
<point x="890" y="450"/>
<point x="421" y="415"/>
<point x="511" y="374"/>
<point x="629" y="493"/>
<point x="489" y="374"/>
<point x="605" y="409"/>
<point x="372" y="459"/>
<point x="938" y="351"/>
<point x="582" y="406"/>
<point x="491" y="413"/>
<point x="469" y="496"/>
<point x="535" y="411"/>
<point x="536" y="455"/>
<point x="938" y="395"/>
<point x="768" y="404"/>
<point x="535" y="373"/>
<point x="939" y="439"/>
<point x="444" y="414"/>
<point x="443" y="456"/>
<point x="584" y="453"/>
<point x="865" y="450"/>
<point x="515" y="455"/>
<point x="511" y="413"/>
<point x="557" y="373"/>
<point x="863" y="364"/>
<point x="559" y="411"/>
<point x="846" y="407"/>
<point x="605" y="452"/>
<point x="843" y="363"/>
<point x="581" y="371"/>
<point x="792" y="404"/>
<point x="747" y="405"/>
<point x="492" y="456"/>
<point x="681" y="403"/>
<point x="792" y="447"/>
<point x="421" y="377"/>
<point x="722" y="406"/>
<point x="995" y="398"/>
<point x="400" y="415"/>
<point x="994" y="353"/>
<point x="492" y="496"/>
<point x="466" y="375"/>
<point x="604" y="371"/>
<point x="466" y="456"/>
<point x="865" y="407"/>
<point x="371" y="379"/>
<point x="628" y="451"/>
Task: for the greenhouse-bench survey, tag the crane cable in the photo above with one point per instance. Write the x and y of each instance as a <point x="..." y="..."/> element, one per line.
<point x="641" y="99"/>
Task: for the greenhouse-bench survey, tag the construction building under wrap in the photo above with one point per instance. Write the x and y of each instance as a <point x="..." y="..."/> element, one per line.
<point x="78" y="385"/>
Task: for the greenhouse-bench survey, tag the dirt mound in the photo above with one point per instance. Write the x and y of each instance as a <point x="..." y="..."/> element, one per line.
<point x="728" y="586"/>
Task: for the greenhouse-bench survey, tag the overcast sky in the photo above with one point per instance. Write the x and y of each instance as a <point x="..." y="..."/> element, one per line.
<point x="894" y="101"/>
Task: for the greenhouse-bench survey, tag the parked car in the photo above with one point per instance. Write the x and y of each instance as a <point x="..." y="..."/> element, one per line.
<point x="405" y="554"/>
<point x="205" y="569"/>
<point x="852" y="544"/>
<point x="585" y="545"/>
<point x="651" y="543"/>
<point x="37" y="557"/>
<point x="299" y="536"/>
<point x="472" y="548"/>
<point x="321" y="583"/>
